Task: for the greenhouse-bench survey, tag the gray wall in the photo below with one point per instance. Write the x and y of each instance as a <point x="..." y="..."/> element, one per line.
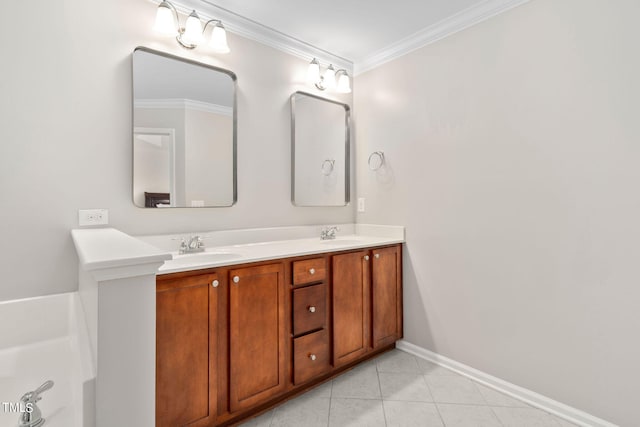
<point x="66" y="135"/>
<point x="513" y="161"/>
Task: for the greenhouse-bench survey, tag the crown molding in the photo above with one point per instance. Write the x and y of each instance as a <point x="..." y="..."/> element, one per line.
<point x="187" y="104"/>
<point x="253" y="30"/>
<point x="448" y="26"/>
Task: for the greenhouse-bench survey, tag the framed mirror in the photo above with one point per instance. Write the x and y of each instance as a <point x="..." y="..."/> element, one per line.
<point x="319" y="151"/>
<point x="184" y="132"/>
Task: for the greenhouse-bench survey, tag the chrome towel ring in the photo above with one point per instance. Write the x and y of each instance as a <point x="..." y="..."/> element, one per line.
<point x="376" y="160"/>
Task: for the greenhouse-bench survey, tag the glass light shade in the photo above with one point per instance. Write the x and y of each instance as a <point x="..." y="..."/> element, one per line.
<point x="165" y="21"/>
<point x="329" y="78"/>
<point x="219" y="39"/>
<point x="313" y="73"/>
<point x="192" y="30"/>
<point x="344" y="84"/>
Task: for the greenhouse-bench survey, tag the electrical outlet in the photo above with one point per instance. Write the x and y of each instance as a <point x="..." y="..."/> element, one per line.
<point x="89" y="217"/>
<point x="360" y="204"/>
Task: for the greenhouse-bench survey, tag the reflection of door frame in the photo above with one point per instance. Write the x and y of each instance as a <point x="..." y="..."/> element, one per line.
<point x="171" y="133"/>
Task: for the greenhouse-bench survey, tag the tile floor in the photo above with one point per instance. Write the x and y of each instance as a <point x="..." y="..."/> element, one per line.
<point x="398" y="389"/>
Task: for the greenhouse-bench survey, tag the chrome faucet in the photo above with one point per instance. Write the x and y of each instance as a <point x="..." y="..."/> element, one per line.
<point x="32" y="417"/>
<point x="329" y="232"/>
<point x="192" y="245"/>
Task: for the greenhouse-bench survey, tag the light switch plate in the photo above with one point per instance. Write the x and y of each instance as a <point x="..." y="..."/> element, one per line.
<point x="89" y="217"/>
<point x="360" y="204"/>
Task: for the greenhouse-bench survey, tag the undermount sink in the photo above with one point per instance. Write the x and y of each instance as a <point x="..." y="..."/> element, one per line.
<point x="341" y="242"/>
<point x="202" y="258"/>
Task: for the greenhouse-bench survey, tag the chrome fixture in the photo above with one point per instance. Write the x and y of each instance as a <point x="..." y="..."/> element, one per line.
<point x="192" y="34"/>
<point x="328" y="79"/>
<point x="328" y="233"/>
<point x="376" y="160"/>
<point x="192" y="245"/>
<point x="327" y="167"/>
<point x="33" y="418"/>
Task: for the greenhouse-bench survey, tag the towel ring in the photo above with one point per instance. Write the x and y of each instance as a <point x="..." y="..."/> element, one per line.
<point x="327" y="167"/>
<point x="376" y="160"/>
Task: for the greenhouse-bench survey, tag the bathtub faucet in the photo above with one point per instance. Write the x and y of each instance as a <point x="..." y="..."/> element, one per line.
<point x="32" y="417"/>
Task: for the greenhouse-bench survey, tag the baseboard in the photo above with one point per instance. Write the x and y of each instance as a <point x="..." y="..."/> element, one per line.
<point x="554" y="407"/>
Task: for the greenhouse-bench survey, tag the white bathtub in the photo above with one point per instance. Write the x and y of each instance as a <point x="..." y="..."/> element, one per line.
<point x="45" y="338"/>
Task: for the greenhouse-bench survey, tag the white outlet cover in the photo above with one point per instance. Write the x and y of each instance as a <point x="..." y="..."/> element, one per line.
<point x="360" y="204"/>
<point x="91" y="217"/>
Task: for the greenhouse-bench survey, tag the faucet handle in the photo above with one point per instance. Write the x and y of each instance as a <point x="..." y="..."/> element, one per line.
<point x="34" y="396"/>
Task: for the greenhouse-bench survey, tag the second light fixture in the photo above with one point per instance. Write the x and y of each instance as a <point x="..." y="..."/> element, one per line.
<point x="328" y="79"/>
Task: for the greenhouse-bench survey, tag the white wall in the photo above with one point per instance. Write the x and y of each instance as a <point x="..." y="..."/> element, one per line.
<point x="66" y="135"/>
<point x="513" y="160"/>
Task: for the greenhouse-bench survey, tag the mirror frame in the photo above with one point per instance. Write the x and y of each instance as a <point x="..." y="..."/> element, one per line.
<point x="347" y="149"/>
<point x="234" y="81"/>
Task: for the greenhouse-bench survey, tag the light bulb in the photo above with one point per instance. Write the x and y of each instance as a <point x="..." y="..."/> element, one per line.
<point x="344" y="83"/>
<point x="330" y="78"/>
<point x="313" y="73"/>
<point x="219" y="39"/>
<point x="192" y="30"/>
<point x="165" y="20"/>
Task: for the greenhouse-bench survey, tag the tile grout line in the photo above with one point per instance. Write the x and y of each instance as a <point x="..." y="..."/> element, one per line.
<point x="330" y="403"/>
<point x="431" y="393"/>
<point x="475" y="385"/>
<point x="384" y="414"/>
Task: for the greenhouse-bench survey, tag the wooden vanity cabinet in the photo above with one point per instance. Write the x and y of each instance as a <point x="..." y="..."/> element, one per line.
<point x="256" y="335"/>
<point x="351" y="302"/>
<point x="186" y="345"/>
<point x="386" y="295"/>
<point x="233" y="341"/>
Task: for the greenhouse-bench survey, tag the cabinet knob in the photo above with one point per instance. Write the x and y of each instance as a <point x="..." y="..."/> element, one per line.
<point x="215" y="283"/>
<point x="236" y="279"/>
<point x="312" y="271"/>
<point x="366" y="257"/>
<point x="312" y="309"/>
<point x="312" y="357"/>
<point x="377" y="256"/>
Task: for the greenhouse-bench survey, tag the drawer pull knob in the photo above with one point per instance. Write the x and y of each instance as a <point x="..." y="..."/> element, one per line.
<point x="312" y="357"/>
<point x="236" y="279"/>
<point x="366" y="257"/>
<point x="312" y="271"/>
<point x="312" y="309"/>
<point x="215" y="283"/>
<point x="377" y="255"/>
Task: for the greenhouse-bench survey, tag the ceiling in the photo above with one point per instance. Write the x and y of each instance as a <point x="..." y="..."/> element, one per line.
<point x="351" y="29"/>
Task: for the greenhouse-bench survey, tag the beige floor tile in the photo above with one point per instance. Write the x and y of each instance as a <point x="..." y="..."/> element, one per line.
<point x="449" y="389"/>
<point x="468" y="416"/>
<point x="356" y="413"/>
<point x="524" y="417"/>
<point x="411" y="414"/>
<point x="495" y="398"/>
<point x="408" y="387"/>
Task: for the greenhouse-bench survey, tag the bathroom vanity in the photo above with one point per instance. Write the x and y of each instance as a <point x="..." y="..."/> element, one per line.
<point x="234" y="338"/>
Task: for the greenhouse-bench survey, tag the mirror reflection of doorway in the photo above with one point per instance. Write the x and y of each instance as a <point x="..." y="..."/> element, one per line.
<point x="154" y="165"/>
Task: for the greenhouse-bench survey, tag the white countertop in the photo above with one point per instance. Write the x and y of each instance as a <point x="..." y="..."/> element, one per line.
<point x="109" y="253"/>
<point x="218" y="256"/>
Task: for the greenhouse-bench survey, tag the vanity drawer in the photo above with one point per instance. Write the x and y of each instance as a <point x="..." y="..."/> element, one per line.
<point x="309" y="308"/>
<point x="310" y="356"/>
<point x="309" y="271"/>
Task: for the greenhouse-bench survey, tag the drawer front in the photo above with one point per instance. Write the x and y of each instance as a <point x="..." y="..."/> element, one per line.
<point x="309" y="309"/>
<point x="311" y="356"/>
<point x="309" y="271"/>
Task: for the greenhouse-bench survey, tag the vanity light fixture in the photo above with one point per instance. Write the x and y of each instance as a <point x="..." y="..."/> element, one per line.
<point x="192" y="34"/>
<point x="328" y="79"/>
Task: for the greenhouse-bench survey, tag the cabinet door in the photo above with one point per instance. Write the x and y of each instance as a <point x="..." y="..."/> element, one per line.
<point x="256" y="335"/>
<point x="386" y="295"/>
<point x="186" y="346"/>
<point x="351" y="306"/>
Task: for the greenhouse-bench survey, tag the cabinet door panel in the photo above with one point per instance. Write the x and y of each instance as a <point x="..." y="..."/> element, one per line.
<point x="256" y="322"/>
<point x="351" y="306"/>
<point x="185" y="312"/>
<point x="386" y="296"/>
